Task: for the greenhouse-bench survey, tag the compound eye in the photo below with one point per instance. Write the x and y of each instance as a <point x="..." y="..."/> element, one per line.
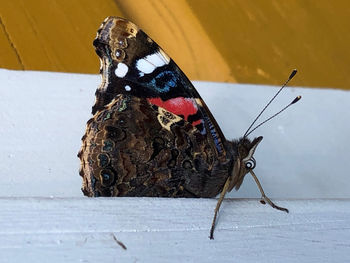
<point x="250" y="164"/>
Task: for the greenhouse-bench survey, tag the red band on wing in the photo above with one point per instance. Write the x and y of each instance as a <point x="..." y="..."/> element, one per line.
<point x="196" y="122"/>
<point x="179" y="106"/>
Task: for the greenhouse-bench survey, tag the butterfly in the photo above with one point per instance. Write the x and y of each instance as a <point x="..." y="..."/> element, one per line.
<point x="151" y="133"/>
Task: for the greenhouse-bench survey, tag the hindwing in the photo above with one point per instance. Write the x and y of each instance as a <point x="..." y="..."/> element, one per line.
<point x="135" y="148"/>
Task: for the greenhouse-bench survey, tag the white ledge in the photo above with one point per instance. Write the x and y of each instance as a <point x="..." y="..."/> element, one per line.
<point x="303" y="155"/>
<point x="172" y="230"/>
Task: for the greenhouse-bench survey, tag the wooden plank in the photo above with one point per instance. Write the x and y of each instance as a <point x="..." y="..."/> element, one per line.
<point x="236" y="41"/>
<point x="42" y="119"/>
<point x="172" y="230"/>
<point x="55" y="35"/>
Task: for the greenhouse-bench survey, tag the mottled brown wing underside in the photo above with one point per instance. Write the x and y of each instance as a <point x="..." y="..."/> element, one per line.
<point x="133" y="148"/>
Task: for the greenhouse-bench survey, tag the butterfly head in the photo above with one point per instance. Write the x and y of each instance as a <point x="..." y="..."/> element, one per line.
<point x="244" y="149"/>
<point x="244" y="161"/>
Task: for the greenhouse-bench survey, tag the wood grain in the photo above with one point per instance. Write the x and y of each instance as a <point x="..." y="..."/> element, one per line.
<point x="226" y="40"/>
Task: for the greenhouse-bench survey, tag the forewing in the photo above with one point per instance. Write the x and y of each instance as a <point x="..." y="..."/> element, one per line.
<point x="133" y="64"/>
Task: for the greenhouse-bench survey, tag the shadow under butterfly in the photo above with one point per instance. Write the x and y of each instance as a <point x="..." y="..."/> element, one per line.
<point x="151" y="133"/>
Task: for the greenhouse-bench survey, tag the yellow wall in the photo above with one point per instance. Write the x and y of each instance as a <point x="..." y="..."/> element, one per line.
<point x="244" y="41"/>
<point x="53" y="35"/>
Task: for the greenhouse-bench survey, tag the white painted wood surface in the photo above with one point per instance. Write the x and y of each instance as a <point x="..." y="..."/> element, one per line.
<point x="303" y="155"/>
<point x="172" y="230"/>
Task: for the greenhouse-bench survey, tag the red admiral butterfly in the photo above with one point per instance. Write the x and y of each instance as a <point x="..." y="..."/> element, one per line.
<point x="151" y="133"/>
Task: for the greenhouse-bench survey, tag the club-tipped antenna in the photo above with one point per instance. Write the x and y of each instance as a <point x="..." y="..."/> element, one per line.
<point x="273" y="116"/>
<point x="257" y="117"/>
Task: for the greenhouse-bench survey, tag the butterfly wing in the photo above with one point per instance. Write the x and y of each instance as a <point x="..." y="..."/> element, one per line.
<point x="133" y="64"/>
<point x="135" y="148"/>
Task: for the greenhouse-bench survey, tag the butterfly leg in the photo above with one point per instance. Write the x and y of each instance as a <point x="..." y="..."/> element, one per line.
<point x="264" y="198"/>
<point x="218" y="204"/>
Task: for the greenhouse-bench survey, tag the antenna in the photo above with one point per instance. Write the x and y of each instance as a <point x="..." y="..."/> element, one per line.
<point x="273" y="116"/>
<point x="273" y="98"/>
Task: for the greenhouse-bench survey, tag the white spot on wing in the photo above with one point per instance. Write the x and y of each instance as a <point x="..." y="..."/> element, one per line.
<point x="121" y="70"/>
<point x="127" y="88"/>
<point x="149" y="63"/>
<point x="144" y="66"/>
